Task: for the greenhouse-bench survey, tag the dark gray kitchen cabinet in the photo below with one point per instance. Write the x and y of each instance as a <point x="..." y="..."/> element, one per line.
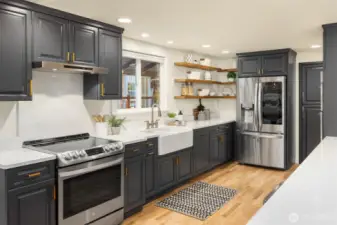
<point x="134" y="182"/>
<point x="274" y="64"/>
<point x="15" y="54"/>
<point x="34" y="204"/>
<point x="249" y="66"/>
<point x="214" y="148"/>
<point x="83" y="44"/>
<point x="184" y="164"/>
<point x="110" y="56"/>
<point x="266" y="63"/>
<point x="50" y="38"/>
<point x="201" y="147"/>
<point x="108" y="86"/>
<point x="167" y="171"/>
<point x="311" y="129"/>
<point x="150" y="167"/>
<point x="223" y="148"/>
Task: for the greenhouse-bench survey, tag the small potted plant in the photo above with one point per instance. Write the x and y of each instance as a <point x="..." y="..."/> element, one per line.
<point x="171" y="118"/>
<point x="231" y="76"/>
<point x="115" y="124"/>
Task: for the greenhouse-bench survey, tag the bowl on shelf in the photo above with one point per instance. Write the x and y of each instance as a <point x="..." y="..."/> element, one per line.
<point x="203" y="92"/>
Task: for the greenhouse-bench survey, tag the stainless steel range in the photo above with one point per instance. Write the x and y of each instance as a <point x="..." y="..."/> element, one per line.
<point x="90" y="178"/>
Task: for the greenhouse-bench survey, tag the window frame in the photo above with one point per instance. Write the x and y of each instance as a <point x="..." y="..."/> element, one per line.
<point x="138" y="56"/>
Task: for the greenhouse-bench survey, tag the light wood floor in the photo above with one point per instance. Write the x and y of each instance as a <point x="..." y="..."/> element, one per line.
<point x="252" y="184"/>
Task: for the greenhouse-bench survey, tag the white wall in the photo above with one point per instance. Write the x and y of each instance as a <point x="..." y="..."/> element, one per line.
<point x="58" y="107"/>
<point x="301" y="58"/>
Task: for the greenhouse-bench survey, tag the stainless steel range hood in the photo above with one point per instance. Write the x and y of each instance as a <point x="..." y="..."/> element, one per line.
<point x="68" y="68"/>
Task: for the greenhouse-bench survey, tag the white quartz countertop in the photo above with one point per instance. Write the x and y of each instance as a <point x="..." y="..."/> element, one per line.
<point x="13" y="155"/>
<point x="309" y="195"/>
<point x="137" y="135"/>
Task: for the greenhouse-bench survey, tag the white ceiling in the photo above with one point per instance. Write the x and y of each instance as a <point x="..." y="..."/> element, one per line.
<point x="234" y="25"/>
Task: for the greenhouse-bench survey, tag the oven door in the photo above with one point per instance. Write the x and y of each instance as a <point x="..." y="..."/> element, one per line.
<point x="91" y="190"/>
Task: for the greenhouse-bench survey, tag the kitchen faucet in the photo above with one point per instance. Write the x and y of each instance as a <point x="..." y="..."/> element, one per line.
<point x="153" y="124"/>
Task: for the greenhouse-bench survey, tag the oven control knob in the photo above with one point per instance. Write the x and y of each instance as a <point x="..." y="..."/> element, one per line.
<point x="120" y="145"/>
<point x="107" y="148"/>
<point x="82" y="153"/>
<point x="67" y="156"/>
<point x="75" y="155"/>
<point x="112" y="147"/>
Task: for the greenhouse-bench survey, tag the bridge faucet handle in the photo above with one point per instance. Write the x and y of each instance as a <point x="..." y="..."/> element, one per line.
<point x="147" y="124"/>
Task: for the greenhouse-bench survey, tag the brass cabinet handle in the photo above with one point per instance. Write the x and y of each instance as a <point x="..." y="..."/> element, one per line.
<point x="261" y="71"/>
<point x="221" y="139"/>
<point x="258" y="71"/>
<point x="68" y="56"/>
<point x="73" y="57"/>
<point x="136" y="150"/>
<point x="31" y="88"/>
<point x="126" y="171"/>
<point x="34" y="174"/>
<point x="177" y="160"/>
<point x="102" y="89"/>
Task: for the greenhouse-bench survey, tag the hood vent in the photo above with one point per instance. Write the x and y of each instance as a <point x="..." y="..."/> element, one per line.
<point x="47" y="66"/>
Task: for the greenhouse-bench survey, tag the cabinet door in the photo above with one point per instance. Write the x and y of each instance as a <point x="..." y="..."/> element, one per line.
<point x="15" y="53"/>
<point x="110" y="56"/>
<point x="214" y="148"/>
<point x="249" y="66"/>
<point x="166" y="171"/>
<point x="201" y="145"/>
<point x="50" y="38"/>
<point x="134" y="183"/>
<point x="184" y="164"/>
<point x="150" y="175"/>
<point x="223" y="148"/>
<point x="274" y="65"/>
<point x="311" y="129"/>
<point x="34" y="204"/>
<point x="83" y="44"/>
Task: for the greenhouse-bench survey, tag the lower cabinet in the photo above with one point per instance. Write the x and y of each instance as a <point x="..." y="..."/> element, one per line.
<point x="33" y="204"/>
<point x="134" y="183"/>
<point x="174" y="168"/>
<point x="201" y="149"/>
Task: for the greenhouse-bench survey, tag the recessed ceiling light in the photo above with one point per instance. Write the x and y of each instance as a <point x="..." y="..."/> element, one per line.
<point x="206" y="46"/>
<point x="170" y="42"/>
<point x="225" y="52"/>
<point x="124" y="20"/>
<point x="145" y="35"/>
<point x="315" y="46"/>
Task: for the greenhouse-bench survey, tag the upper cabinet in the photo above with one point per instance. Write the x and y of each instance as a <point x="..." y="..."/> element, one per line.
<point x="50" y="38"/>
<point x="267" y="63"/>
<point x="83" y="44"/>
<point x="110" y="56"/>
<point x="60" y="40"/>
<point x="275" y="64"/>
<point x="249" y="66"/>
<point x="15" y="54"/>
<point x="32" y="33"/>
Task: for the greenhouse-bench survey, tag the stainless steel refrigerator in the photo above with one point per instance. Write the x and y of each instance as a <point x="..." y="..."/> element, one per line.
<point x="261" y="120"/>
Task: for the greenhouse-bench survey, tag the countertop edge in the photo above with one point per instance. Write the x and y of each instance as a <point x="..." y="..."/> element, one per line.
<point x="16" y="165"/>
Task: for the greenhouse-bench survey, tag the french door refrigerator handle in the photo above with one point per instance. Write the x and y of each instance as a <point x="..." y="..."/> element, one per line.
<point x="259" y="111"/>
<point x="321" y="98"/>
<point x="256" y="106"/>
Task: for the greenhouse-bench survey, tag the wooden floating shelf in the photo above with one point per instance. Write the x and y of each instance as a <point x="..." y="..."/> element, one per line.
<point x="203" y="97"/>
<point x="196" y="66"/>
<point x="201" y="81"/>
<point x="228" y="70"/>
<point x="201" y="67"/>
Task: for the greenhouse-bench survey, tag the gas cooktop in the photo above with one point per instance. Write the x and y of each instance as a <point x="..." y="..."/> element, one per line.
<point x="77" y="148"/>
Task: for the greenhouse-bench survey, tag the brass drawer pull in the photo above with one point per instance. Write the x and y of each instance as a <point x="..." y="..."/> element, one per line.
<point x="73" y="57"/>
<point x="126" y="171"/>
<point x="136" y="150"/>
<point x="102" y="89"/>
<point x="31" y="88"/>
<point x="34" y="175"/>
<point x="68" y="56"/>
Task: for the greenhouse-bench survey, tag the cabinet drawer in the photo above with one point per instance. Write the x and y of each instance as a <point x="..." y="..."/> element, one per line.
<point x="26" y="175"/>
<point x="135" y="149"/>
<point x="151" y="145"/>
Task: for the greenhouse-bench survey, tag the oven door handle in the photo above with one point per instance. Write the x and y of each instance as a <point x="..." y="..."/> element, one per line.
<point x="69" y="174"/>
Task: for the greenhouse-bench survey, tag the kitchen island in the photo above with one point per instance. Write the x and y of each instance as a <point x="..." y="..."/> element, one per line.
<point x="309" y="195"/>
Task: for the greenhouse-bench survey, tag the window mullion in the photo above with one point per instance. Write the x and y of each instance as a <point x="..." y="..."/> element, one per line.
<point x="138" y="84"/>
